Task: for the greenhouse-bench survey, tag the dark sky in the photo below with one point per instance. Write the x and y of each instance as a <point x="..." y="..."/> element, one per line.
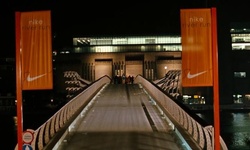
<point x="100" y="18"/>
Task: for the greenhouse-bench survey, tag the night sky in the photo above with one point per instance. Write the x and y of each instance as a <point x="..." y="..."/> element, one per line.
<point x="106" y="18"/>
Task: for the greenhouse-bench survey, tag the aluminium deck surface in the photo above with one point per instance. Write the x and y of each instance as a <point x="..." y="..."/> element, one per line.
<point x="121" y="118"/>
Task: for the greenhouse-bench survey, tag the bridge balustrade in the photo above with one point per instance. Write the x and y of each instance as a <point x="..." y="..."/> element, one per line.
<point x="55" y="128"/>
<point x="46" y="136"/>
<point x="202" y="135"/>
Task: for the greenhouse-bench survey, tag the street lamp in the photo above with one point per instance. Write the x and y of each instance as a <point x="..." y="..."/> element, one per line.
<point x="165" y="69"/>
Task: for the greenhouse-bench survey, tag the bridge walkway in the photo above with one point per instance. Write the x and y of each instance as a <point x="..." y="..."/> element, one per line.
<point x="121" y="117"/>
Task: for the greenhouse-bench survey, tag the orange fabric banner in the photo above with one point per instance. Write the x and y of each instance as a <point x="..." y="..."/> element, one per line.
<point x="36" y="50"/>
<point x="196" y="38"/>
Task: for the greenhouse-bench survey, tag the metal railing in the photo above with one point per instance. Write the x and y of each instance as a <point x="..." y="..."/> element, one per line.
<point x="56" y="127"/>
<point x="201" y="135"/>
<point x="47" y="135"/>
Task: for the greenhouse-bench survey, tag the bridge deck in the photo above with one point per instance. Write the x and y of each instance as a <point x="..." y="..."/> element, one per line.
<point x="123" y="118"/>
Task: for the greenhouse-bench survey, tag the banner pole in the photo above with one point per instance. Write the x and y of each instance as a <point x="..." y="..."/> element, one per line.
<point x="216" y="82"/>
<point x="18" y="83"/>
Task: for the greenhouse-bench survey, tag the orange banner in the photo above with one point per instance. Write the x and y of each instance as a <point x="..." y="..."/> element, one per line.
<point x="196" y="39"/>
<point x="36" y="50"/>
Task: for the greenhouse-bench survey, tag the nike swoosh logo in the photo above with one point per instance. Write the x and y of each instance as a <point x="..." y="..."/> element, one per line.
<point x="190" y="76"/>
<point x="29" y="79"/>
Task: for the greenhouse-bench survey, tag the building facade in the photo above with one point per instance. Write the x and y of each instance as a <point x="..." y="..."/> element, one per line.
<point x="150" y="56"/>
<point x="240" y="42"/>
<point x="153" y="57"/>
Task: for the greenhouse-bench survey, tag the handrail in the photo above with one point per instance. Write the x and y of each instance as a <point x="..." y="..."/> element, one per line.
<point x="201" y="135"/>
<point x="45" y="136"/>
